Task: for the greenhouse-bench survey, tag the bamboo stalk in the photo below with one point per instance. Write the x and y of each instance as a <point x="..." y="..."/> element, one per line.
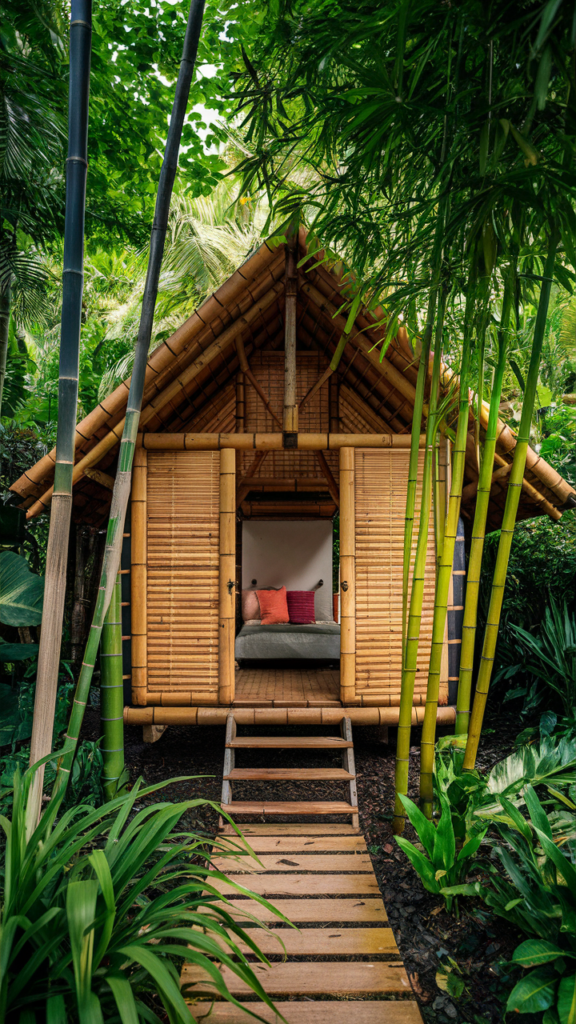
<point x="469" y="622"/>
<point x="510" y="510"/>
<point x="72" y="289"/>
<point x="443" y="582"/>
<point x="347" y="576"/>
<point x="122" y="483"/>
<point x="112" y="695"/>
<point x="227" y="576"/>
<point x="410" y="648"/>
<point x="5" y="303"/>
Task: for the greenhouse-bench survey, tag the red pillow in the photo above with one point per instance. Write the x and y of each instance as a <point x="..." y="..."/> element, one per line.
<point x="273" y="606"/>
<point x="301" y="606"/>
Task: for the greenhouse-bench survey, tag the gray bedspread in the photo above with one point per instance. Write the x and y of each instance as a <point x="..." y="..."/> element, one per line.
<point x="316" y="641"/>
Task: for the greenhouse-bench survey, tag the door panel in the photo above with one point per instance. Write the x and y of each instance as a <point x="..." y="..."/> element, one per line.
<point x="381" y="480"/>
<point x="183" y="532"/>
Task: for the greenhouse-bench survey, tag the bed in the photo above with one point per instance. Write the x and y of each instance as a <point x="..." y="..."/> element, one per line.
<point x="317" y="641"/>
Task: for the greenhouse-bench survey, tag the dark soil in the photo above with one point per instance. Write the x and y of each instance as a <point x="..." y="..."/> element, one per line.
<point x="429" y="938"/>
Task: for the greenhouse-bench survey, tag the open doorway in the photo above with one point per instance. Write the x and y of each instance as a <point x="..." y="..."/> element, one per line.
<point x="290" y="655"/>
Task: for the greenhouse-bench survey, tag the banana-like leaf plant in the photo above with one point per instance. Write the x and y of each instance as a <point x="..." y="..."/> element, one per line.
<point x="21" y="591"/>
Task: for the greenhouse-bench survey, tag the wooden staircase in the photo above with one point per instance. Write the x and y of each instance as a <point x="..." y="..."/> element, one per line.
<point x="302" y="808"/>
<point x="341" y="964"/>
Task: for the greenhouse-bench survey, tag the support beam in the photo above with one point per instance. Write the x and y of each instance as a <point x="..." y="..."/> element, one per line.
<point x="290" y="406"/>
<point x="227" y="599"/>
<point x="332" y="485"/>
<point x="240" y="403"/>
<point x="245" y="367"/>
<point x="272" y="442"/>
<point x="244" y="485"/>
<point x="347" y="576"/>
<point x="278" y="716"/>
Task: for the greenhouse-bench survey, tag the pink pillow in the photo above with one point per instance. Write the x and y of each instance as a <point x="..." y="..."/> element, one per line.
<point x="273" y="606"/>
<point x="301" y="606"/>
<point x="250" y="606"/>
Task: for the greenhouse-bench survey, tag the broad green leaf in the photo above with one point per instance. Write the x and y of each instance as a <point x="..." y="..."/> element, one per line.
<point x="537" y="951"/>
<point x="21" y="592"/>
<point x="566" y="1004"/>
<point x="425" y="829"/>
<point x="17" y="652"/>
<point x="533" y="993"/>
<point x="56" y="1010"/>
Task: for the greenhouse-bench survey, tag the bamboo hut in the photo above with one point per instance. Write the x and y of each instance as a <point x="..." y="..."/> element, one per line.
<point x="246" y="427"/>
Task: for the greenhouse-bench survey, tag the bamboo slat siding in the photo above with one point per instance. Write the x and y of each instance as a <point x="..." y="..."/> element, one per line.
<point x="183" y="574"/>
<point x="381" y="482"/>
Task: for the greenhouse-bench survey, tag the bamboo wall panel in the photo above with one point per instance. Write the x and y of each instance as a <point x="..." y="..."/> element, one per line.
<point x="268" y="369"/>
<point x="183" y="511"/>
<point x="381" y="483"/>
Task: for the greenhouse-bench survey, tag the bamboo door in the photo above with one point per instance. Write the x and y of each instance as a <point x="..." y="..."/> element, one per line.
<point x="183" y="559"/>
<point x="373" y="484"/>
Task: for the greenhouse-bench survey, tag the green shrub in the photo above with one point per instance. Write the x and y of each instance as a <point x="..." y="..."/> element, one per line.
<point x="537" y="894"/>
<point x="101" y="907"/>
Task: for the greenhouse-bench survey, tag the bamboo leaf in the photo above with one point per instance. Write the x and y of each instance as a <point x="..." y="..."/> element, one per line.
<point x="124" y="998"/>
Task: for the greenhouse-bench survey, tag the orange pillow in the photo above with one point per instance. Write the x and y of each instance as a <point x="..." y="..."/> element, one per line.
<point x="273" y="606"/>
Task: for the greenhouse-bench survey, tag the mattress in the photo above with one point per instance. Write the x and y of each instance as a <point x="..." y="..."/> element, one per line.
<point x="319" y="640"/>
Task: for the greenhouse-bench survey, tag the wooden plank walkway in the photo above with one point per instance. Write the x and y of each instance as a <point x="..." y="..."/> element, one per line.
<point x="354" y="973"/>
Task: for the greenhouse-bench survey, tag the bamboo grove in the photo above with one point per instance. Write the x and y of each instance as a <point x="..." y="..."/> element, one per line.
<point x="432" y="147"/>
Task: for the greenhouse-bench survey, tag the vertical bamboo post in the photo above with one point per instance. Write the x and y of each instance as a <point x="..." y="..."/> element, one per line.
<point x="240" y="403"/>
<point x="138" y="576"/>
<point x="347" y="577"/>
<point x="227" y="601"/>
<point x="112" y="694"/>
<point x="334" y="404"/>
<point x="290" y="406"/>
<point x="72" y="290"/>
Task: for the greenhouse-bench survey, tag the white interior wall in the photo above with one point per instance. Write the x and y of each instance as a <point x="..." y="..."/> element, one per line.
<point x="292" y="554"/>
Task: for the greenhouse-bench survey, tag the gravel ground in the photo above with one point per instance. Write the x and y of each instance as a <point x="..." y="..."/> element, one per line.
<point x="426" y="935"/>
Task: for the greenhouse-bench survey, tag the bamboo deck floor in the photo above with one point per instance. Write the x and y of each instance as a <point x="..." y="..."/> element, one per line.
<point x="287" y="687"/>
<point x="342" y="965"/>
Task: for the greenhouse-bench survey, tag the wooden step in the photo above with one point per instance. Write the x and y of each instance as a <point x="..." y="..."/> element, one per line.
<point x="289" y="807"/>
<point x="282" y="774"/>
<point x="304" y="844"/>
<point x="290" y="742"/>
<point x="243" y="863"/>
<point x="316" y="911"/>
<point x="307" y="885"/>
<point x="323" y="1011"/>
<point x="302" y="978"/>
<point x="280" y="828"/>
<point x="325" y="942"/>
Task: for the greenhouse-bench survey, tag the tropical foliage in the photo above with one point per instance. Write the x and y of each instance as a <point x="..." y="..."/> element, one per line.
<point x="100" y="907"/>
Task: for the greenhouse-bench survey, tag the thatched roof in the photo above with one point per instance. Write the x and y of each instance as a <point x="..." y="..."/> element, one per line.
<point x="191" y="386"/>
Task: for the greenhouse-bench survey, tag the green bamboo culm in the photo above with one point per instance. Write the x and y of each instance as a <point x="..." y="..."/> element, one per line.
<point x="72" y="289"/>
<point x="470" y="618"/>
<point x="5" y="302"/>
<point x="410" y="659"/>
<point x="418" y="410"/>
<point x="122" y="483"/>
<point x="510" y="510"/>
<point x="112" y="694"/>
<point x="444" y="575"/>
